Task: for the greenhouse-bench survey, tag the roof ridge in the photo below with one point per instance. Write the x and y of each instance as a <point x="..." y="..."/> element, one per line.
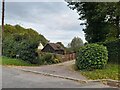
<point x="56" y="46"/>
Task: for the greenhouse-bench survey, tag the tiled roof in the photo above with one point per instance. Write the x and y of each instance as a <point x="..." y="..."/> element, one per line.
<point x="56" y="46"/>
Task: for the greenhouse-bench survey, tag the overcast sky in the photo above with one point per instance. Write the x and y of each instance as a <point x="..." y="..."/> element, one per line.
<point x="54" y="20"/>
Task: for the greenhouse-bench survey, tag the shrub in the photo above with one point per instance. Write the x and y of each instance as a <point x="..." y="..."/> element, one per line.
<point x="25" y="49"/>
<point x="92" y="56"/>
<point x="49" y="58"/>
<point x="57" y="59"/>
<point x="113" y="48"/>
<point x="46" y="58"/>
<point x="27" y="52"/>
<point x="21" y="42"/>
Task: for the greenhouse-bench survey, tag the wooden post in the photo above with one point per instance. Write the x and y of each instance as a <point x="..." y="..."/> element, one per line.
<point x="3" y="11"/>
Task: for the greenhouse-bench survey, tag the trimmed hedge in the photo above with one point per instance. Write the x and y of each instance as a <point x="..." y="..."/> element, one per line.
<point x="92" y="56"/>
<point x="113" y="48"/>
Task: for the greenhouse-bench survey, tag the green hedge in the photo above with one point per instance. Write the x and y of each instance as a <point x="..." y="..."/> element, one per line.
<point x="22" y="43"/>
<point x="92" y="56"/>
<point x="113" y="48"/>
<point x="25" y="50"/>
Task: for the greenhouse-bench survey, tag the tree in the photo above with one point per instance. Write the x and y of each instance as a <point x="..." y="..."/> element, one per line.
<point x="76" y="43"/>
<point x="112" y="11"/>
<point x="18" y="41"/>
<point x="100" y="19"/>
<point x="60" y="43"/>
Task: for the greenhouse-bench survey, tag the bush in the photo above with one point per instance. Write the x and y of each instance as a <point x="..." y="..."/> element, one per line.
<point x="21" y="43"/>
<point x="92" y="56"/>
<point x="57" y="59"/>
<point x="49" y="58"/>
<point x="113" y="48"/>
<point x="27" y="52"/>
<point x="24" y="50"/>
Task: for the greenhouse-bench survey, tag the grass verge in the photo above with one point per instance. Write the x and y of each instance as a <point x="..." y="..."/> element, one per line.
<point x="110" y="72"/>
<point x="15" y="62"/>
<point x="0" y="60"/>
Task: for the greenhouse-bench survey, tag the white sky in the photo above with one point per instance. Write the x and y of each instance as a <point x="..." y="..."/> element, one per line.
<point x="54" y="20"/>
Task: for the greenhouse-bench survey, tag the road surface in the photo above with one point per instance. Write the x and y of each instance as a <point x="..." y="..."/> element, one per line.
<point x="15" y="78"/>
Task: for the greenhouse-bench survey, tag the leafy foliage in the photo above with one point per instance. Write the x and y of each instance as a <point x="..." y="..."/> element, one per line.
<point x="92" y="56"/>
<point x="21" y="43"/>
<point x="49" y="58"/>
<point x="113" y="48"/>
<point x="61" y="44"/>
<point x="102" y="20"/>
<point x="75" y="44"/>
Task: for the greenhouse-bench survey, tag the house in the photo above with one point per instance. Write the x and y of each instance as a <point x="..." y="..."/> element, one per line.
<point x="40" y="47"/>
<point x="53" y="48"/>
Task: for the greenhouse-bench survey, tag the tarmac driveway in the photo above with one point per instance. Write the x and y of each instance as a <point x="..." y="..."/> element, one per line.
<point x="62" y="69"/>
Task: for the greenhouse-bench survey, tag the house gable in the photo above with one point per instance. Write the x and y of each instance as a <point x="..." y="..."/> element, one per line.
<point x="48" y="48"/>
<point x="53" y="48"/>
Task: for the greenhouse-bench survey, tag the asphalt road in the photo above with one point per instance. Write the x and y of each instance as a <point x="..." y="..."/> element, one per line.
<point x="14" y="78"/>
